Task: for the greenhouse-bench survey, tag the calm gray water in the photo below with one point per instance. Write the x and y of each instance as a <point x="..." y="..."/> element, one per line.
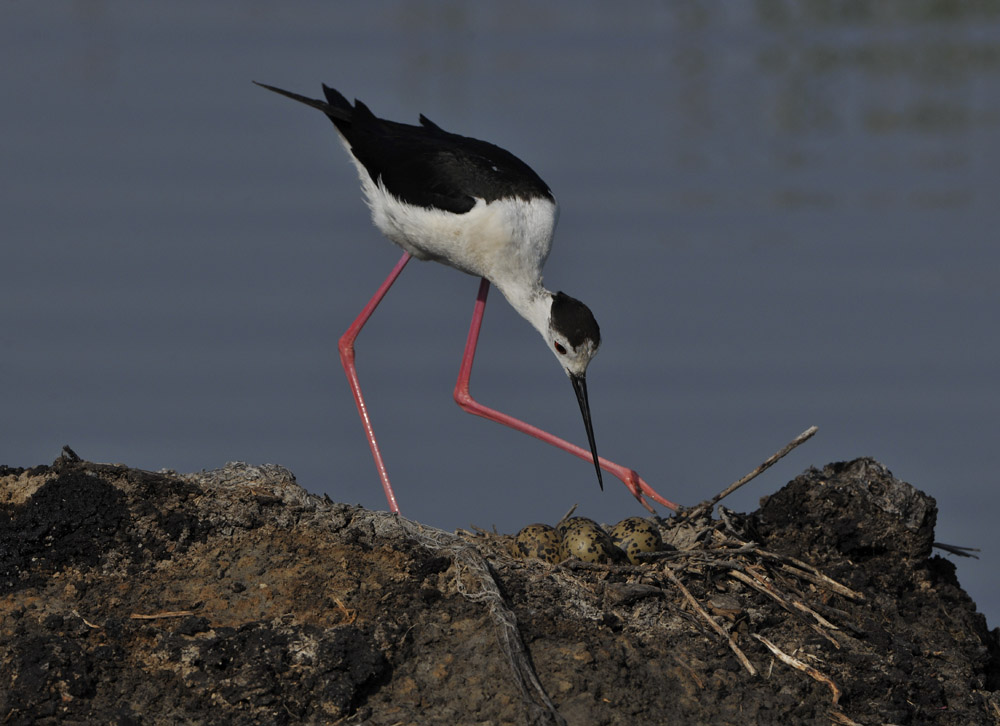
<point x="782" y="214"/>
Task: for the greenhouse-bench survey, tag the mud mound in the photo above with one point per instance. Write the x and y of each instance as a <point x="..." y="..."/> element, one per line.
<point x="234" y="597"/>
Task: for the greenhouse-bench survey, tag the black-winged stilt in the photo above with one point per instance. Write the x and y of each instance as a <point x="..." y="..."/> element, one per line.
<point x="478" y="208"/>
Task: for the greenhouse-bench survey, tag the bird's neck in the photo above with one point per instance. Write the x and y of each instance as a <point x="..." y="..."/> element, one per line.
<point x="534" y="304"/>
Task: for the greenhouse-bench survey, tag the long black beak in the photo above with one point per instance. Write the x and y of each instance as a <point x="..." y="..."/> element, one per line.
<point x="580" y="386"/>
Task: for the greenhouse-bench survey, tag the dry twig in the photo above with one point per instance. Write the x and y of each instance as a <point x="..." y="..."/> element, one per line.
<point x="690" y="670"/>
<point x="838" y="717"/>
<point x="567" y="515"/>
<point x="808" y="572"/>
<point x="708" y="505"/>
<point x="715" y="626"/>
<point x="156" y="616"/>
<point x="85" y="621"/>
<point x="349" y="615"/>
<point x="759" y="583"/>
<point x="799" y="665"/>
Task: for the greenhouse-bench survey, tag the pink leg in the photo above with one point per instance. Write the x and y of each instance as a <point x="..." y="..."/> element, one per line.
<point x="629" y="477"/>
<point x="346" y="347"/>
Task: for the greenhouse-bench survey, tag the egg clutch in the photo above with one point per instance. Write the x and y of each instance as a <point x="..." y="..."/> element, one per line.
<point x="586" y="540"/>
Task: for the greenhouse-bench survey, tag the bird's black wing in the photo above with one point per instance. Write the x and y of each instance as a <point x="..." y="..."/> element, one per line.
<point x="429" y="167"/>
<point x="425" y="165"/>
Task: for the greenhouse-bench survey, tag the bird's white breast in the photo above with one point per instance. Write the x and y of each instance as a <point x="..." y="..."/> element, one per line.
<point x="504" y="240"/>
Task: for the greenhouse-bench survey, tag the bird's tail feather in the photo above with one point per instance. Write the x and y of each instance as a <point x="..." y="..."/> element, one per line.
<point x="337" y="108"/>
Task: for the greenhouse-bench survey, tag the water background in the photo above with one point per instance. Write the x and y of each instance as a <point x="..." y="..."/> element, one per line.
<point x="782" y="213"/>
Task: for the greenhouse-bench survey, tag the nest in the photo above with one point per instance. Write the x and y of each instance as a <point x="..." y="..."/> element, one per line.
<point x="709" y="576"/>
<point x="725" y="573"/>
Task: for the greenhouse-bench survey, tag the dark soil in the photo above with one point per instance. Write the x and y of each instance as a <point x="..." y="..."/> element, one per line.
<point x="234" y="597"/>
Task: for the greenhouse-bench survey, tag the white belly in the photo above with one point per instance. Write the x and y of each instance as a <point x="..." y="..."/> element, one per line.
<point x="503" y="241"/>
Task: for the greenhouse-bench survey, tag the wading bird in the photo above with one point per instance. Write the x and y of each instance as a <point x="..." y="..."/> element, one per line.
<point x="473" y="206"/>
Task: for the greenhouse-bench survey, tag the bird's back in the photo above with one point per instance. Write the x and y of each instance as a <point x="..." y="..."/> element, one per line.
<point x="429" y="167"/>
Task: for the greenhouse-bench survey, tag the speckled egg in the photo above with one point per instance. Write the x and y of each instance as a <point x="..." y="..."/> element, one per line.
<point x="635" y="535"/>
<point x="566" y="525"/>
<point x="539" y="541"/>
<point x="584" y="539"/>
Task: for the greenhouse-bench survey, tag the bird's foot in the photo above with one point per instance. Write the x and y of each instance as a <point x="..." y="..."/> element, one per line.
<point x="638" y="486"/>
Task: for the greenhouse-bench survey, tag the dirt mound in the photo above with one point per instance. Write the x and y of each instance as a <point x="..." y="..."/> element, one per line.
<point x="234" y="597"/>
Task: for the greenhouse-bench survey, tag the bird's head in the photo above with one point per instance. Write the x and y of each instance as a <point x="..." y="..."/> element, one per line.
<point x="574" y="337"/>
<point x="573" y="334"/>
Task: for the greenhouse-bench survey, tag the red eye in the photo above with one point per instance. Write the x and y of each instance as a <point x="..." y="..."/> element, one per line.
<point x="560" y="350"/>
